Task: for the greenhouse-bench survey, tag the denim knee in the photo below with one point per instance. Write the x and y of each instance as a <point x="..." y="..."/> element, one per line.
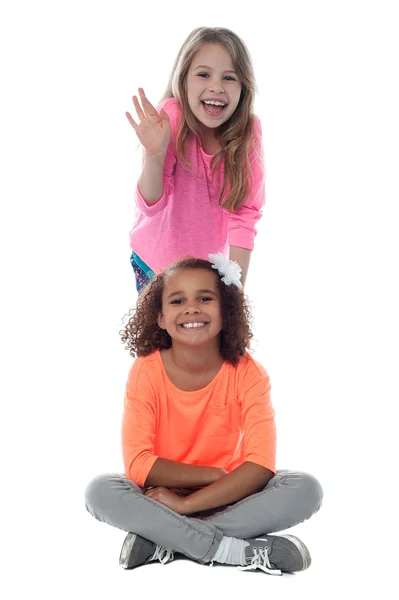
<point x="95" y="491"/>
<point x="312" y="491"/>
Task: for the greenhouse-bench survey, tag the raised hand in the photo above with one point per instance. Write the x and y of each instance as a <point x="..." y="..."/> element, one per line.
<point x="153" y="130"/>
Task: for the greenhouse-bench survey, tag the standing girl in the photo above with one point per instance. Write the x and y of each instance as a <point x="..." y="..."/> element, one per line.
<point x="202" y="187"/>
<point x="198" y="434"/>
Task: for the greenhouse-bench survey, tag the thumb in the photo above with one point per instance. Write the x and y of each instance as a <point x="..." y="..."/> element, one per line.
<point x="163" y="115"/>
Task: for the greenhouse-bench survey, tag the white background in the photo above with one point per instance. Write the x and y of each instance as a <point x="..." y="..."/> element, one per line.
<point x="323" y="279"/>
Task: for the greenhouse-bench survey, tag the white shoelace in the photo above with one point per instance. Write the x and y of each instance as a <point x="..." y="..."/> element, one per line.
<point x="260" y="560"/>
<point x="162" y="554"/>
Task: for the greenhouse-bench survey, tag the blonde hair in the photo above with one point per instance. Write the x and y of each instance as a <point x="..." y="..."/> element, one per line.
<point x="237" y="136"/>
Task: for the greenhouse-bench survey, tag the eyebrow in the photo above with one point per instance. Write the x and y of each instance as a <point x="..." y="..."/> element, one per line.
<point x="180" y="293"/>
<point x="210" y="68"/>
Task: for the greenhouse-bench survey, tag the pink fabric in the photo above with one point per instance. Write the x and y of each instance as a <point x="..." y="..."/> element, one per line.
<point x="188" y="219"/>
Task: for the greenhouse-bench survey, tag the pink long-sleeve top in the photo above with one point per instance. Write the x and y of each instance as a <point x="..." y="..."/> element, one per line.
<point x="188" y="219"/>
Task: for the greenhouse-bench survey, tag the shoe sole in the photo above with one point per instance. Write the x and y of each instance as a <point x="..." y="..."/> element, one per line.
<point x="303" y="551"/>
<point x="126" y="550"/>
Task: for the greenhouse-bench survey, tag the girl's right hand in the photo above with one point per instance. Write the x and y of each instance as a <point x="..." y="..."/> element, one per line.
<point x="153" y="130"/>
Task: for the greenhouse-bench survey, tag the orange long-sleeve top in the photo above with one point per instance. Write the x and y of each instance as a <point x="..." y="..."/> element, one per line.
<point x="228" y="422"/>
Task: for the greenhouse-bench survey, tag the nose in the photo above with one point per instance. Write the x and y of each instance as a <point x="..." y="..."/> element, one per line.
<point x="192" y="308"/>
<point x="216" y="86"/>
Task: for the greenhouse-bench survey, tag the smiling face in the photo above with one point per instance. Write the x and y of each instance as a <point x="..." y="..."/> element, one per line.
<point x="213" y="88"/>
<point x="191" y="307"/>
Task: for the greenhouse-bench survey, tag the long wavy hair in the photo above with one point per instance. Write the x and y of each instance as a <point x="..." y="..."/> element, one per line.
<point x="237" y="136"/>
<point x="142" y="334"/>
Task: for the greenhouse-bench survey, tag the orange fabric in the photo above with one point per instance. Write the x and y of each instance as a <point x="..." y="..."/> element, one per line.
<point x="223" y="425"/>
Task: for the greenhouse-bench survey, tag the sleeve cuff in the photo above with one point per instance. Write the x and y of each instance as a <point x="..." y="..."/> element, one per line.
<point x="259" y="460"/>
<point x="243" y="238"/>
<point x="144" y="470"/>
<point x="150" y="210"/>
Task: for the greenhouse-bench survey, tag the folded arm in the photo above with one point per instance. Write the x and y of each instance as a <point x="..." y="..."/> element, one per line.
<point x="171" y="474"/>
<point x="240" y="483"/>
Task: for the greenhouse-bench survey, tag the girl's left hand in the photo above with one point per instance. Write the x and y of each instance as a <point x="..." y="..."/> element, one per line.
<point x="167" y="498"/>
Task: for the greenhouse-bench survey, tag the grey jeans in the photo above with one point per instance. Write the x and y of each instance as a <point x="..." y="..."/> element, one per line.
<point x="289" y="498"/>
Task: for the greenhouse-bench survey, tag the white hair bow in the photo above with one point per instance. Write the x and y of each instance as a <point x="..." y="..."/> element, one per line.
<point x="230" y="270"/>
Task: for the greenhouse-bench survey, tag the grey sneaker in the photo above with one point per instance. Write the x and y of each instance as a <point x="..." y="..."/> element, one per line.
<point x="276" y="553"/>
<point x="137" y="551"/>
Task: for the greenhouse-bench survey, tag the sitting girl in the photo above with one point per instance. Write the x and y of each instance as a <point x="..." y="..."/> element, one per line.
<point x="198" y="434"/>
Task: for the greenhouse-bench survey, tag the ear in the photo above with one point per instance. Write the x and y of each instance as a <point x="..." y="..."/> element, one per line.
<point x="161" y="321"/>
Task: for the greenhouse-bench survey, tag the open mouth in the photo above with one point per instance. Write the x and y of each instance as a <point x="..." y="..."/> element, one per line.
<point x="213" y="108"/>
<point x="193" y="326"/>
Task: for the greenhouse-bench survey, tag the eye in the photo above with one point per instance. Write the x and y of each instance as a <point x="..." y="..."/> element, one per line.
<point x="203" y="75"/>
<point x="230" y="78"/>
<point x="176" y="301"/>
<point x="205" y="299"/>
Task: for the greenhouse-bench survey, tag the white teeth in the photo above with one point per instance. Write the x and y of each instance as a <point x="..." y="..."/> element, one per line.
<point x="214" y="102"/>
<point x="191" y="325"/>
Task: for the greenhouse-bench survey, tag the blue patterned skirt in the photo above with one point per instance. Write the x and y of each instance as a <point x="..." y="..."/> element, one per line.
<point x="142" y="272"/>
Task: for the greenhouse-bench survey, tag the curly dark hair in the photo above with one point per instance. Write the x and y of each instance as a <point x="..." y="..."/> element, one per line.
<point x="142" y="334"/>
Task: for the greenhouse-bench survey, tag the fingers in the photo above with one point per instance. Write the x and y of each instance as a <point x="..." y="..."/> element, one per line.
<point x="148" y="107"/>
<point x="138" y="108"/>
<point x="144" y="110"/>
<point x="151" y="491"/>
<point x="164" y="115"/>
<point x="142" y="113"/>
<point x="153" y="496"/>
<point x="131" y="120"/>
